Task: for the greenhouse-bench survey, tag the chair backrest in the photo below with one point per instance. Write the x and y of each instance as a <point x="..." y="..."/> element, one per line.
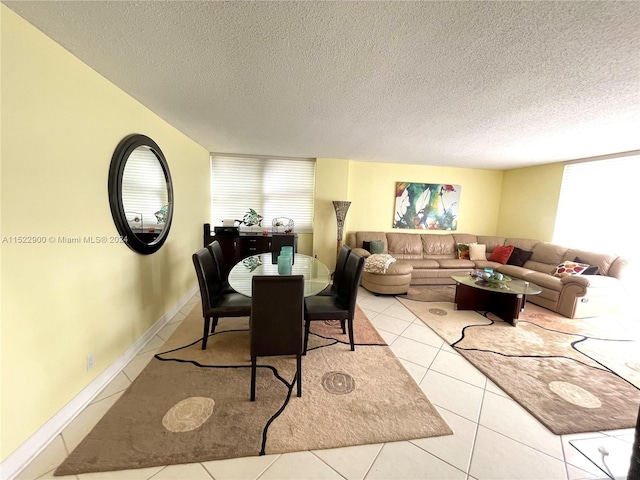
<point x="216" y="250"/>
<point x="277" y="315"/>
<point x="348" y="289"/>
<point x="208" y="278"/>
<point x="341" y="262"/>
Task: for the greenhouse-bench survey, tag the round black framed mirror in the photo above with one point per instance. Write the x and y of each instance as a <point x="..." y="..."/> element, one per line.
<point x="141" y="193"/>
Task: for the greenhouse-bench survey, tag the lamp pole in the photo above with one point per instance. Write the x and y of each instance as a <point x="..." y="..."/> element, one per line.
<point x="341" y="208"/>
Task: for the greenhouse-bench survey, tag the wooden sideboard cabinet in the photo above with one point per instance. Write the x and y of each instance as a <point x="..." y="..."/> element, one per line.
<point x="238" y="245"/>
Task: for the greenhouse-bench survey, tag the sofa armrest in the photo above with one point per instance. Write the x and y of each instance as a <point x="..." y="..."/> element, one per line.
<point x="591" y="281"/>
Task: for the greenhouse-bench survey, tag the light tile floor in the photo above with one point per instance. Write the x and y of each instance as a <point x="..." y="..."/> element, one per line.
<point x="495" y="438"/>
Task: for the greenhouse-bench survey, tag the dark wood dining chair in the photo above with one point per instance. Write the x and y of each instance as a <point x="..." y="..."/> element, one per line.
<point x="216" y="304"/>
<point x="337" y="307"/>
<point x="338" y="273"/>
<point x="277" y="321"/>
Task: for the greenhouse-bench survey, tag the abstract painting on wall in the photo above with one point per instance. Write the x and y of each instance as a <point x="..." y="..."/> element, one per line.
<point x="426" y="206"/>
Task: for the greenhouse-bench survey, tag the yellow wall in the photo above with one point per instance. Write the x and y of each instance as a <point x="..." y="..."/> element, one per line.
<point x="372" y="188"/>
<point x="529" y="202"/>
<point x="332" y="183"/>
<point x="61" y="122"/>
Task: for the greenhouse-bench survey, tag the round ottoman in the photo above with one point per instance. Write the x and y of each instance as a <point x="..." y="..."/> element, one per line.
<point x="395" y="281"/>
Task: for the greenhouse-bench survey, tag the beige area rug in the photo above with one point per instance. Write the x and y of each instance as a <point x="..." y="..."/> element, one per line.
<point x="430" y="293"/>
<point x="190" y="405"/>
<point x="580" y="375"/>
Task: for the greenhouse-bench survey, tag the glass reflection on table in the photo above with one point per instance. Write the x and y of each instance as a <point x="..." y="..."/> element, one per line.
<point x="316" y="274"/>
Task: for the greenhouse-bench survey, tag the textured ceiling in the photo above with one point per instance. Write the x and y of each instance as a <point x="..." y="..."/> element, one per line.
<point x="469" y="84"/>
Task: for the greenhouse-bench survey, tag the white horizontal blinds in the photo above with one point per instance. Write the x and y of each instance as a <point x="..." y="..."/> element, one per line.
<point x="599" y="205"/>
<point x="144" y="188"/>
<point x="273" y="187"/>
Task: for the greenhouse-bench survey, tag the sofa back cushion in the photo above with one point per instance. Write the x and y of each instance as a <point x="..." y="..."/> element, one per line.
<point x="438" y="246"/>
<point x="491" y="242"/>
<point x="404" y="245"/>
<point x="368" y="237"/>
<point x="546" y="257"/>
<point x="465" y="238"/>
<point x="525" y="244"/>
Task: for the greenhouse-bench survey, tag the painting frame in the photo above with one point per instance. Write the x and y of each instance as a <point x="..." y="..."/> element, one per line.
<point x="426" y="206"/>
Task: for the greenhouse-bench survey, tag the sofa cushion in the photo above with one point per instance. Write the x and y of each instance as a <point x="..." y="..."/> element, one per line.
<point x="464" y="238"/>
<point x="519" y="257"/>
<point x="456" y="263"/>
<point x="548" y="253"/>
<point x="501" y="253"/>
<point x="361" y="237"/>
<point x="513" y="271"/>
<point x="405" y="243"/>
<point x="569" y="268"/>
<point x="544" y="280"/>
<point x="362" y="252"/>
<point x="423" y="263"/>
<point x="491" y="241"/>
<point x="526" y="244"/>
<point x="434" y="244"/>
<point x="477" y="251"/>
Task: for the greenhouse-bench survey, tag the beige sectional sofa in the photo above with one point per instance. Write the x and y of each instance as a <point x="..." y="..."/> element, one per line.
<point x="434" y="258"/>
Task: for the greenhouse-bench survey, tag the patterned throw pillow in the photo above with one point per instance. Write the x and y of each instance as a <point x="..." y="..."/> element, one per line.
<point x="463" y="251"/>
<point x="501" y="254"/>
<point x="567" y="268"/>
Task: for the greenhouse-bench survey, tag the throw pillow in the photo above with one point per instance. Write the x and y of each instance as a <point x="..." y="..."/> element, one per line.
<point x="519" y="257"/>
<point x="477" y="251"/>
<point x="366" y="246"/>
<point x="501" y="253"/>
<point x="592" y="270"/>
<point x="377" y="246"/>
<point x="463" y="251"/>
<point x="567" y="268"/>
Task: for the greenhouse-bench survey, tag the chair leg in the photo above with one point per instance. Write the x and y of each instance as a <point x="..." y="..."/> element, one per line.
<point x="205" y="335"/>
<point x="351" y="336"/>
<point x="343" y="325"/>
<point x="299" y="374"/>
<point x="307" y="324"/>
<point x="214" y="324"/>
<point x="253" y="378"/>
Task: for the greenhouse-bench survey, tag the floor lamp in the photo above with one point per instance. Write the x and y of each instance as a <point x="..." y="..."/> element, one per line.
<point x="341" y="207"/>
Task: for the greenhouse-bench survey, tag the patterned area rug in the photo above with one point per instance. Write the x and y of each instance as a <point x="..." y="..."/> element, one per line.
<point x="580" y="375"/>
<point x="190" y="405"/>
<point x="430" y="293"/>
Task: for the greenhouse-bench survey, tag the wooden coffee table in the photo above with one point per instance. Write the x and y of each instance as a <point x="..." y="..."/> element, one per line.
<point x="506" y="300"/>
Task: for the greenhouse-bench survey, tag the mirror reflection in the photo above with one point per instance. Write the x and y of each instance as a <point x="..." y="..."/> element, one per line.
<point x="145" y="197"/>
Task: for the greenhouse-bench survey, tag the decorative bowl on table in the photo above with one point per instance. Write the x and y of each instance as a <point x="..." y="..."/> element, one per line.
<point x="491" y="279"/>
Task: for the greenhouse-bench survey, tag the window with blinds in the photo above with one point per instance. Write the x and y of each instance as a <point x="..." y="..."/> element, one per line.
<point x="273" y="187"/>
<point x="599" y="204"/>
<point x="144" y="189"/>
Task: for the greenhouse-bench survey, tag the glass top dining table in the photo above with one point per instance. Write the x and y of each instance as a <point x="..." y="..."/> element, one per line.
<point x="316" y="274"/>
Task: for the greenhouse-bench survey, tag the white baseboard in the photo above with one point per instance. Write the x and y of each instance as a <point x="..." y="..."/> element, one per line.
<point x="37" y="442"/>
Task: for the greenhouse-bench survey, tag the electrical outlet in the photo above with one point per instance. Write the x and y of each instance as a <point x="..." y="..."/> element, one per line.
<point x="90" y="361"/>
